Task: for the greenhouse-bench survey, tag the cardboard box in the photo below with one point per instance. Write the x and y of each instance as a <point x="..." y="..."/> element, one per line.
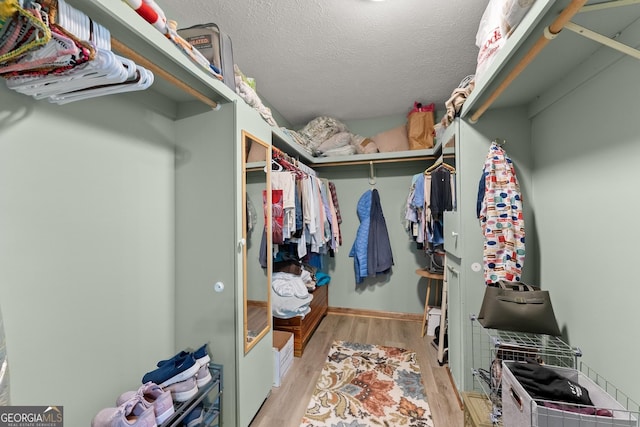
<point x="282" y="355"/>
<point x="520" y="410"/>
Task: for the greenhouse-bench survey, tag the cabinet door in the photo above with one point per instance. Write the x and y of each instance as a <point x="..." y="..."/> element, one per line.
<point x="206" y="242"/>
<point x="255" y="352"/>
<point x="210" y="292"/>
<point x="452" y="226"/>
<point x="455" y="324"/>
<point x="452" y="236"/>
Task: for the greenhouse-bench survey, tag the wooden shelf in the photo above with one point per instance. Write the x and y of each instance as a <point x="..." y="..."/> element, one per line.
<point x="283" y="142"/>
<point x="140" y="39"/>
<point x="566" y="61"/>
<point x="429" y="275"/>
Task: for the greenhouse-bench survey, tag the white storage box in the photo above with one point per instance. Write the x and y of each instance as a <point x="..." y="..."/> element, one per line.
<point x="434" y="320"/>
<point x="520" y="410"/>
<point x="282" y="355"/>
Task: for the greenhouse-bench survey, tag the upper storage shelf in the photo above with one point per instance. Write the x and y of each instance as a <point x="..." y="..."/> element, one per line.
<point x="564" y="63"/>
<point x="282" y="141"/>
<point x="132" y="32"/>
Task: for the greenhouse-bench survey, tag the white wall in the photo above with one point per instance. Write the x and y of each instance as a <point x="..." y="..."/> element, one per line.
<point x="585" y="186"/>
<point x="86" y="249"/>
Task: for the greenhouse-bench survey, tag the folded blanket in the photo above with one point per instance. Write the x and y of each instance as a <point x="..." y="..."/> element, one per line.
<point x="288" y="285"/>
<point x="321" y="129"/>
<point x="288" y="307"/>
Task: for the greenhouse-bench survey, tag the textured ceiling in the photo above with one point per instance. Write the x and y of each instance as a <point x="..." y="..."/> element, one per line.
<point x="348" y="59"/>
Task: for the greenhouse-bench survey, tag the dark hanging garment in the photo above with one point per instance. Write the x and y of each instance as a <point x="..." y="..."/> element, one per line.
<point x="379" y="256"/>
<point x="441" y="199"/>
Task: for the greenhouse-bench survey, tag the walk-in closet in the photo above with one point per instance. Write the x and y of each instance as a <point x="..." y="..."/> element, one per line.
<point x="131" y="225"/>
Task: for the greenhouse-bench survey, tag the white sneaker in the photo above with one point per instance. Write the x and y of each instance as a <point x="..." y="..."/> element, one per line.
<point x="183" y="390"/>
<point x="151" y="395"/>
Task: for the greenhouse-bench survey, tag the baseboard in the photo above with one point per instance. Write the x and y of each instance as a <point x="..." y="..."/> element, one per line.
<point x="455" y="389"/>
<point x="375" y="314"/>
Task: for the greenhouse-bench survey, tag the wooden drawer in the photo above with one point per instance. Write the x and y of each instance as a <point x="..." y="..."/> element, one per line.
<point x="303" y="328"/>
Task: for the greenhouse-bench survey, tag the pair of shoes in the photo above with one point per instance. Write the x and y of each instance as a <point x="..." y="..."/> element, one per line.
<point x="151" y="395"/>
<point x="132" y="413"/>
<point x="201" y="355"/>
<point x="194" y="418"/>
<point x="183" y="390"/>
<point x="172" y="371"/>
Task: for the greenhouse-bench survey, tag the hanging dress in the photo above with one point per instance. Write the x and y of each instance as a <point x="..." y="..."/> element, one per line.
<point x="500" y="212"/>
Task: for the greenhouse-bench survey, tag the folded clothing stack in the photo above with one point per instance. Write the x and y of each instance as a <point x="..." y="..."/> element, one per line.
<point x="544" y="383"/>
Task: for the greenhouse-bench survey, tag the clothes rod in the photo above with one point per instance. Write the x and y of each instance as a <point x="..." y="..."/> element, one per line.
<point x="295" y="162"/>
<point x="134" y="56"/>
<point x="549" y="34"/>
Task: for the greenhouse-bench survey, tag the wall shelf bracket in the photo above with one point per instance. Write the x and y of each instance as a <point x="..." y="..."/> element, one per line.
<point x="592" y="35"/>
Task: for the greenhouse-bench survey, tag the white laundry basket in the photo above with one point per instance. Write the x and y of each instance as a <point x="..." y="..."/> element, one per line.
<point x="520" y="410"/>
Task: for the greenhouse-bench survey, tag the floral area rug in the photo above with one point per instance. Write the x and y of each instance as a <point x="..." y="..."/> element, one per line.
<point x="364" y="385"/>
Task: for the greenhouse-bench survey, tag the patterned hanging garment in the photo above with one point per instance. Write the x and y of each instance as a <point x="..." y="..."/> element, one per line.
<point x="501" y="218"/>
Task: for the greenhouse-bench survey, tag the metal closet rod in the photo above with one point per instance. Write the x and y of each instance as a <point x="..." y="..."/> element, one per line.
<point x="136" y="57"/>
<point x="549" y="34"/>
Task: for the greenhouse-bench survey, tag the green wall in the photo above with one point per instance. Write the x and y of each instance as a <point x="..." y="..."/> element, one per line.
<point x="371" y="127"/>
<point x="86" y="249"/>
<point x="586" y="149"/>
<point x="402" y="291"/>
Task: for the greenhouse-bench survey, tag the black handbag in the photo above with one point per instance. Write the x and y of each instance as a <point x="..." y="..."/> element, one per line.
<point x="517" y="307"/>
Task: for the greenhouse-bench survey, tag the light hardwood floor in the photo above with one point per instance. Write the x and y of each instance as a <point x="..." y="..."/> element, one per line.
<point x="286" y="404"/>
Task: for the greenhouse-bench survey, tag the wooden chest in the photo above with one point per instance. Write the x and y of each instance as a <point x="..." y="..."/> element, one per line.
<point x="477" y="410"/>
<point x="303" y="328"/>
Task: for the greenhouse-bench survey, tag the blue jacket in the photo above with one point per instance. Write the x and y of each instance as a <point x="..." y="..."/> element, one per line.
<point x="359" y="248"/>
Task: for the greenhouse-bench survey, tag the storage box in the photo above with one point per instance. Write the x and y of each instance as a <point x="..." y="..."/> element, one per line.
<point x="520" y="410"/>
<point x="434" y="320"/>
<point x="282" y="355"/>
<point x="215" y="46"/>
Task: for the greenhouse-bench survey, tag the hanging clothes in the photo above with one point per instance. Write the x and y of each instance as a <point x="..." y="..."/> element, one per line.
<point x="371" y="250"/>
<point x="414" y="210"/>
<point x="379" y="254"/>
<point x="431" y="193"/>
<point x="305" y="219"/>
<point x="499" y="209"/>
<point x="277" y="214"/>
<point x="285" y="181"/>
<point x="359" y="249"/>
<point x="441" y="198"/>
<point x="336" y="206"/>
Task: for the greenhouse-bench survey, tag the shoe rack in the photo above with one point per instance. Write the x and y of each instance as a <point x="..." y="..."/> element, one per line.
<point x="209" y="396"/>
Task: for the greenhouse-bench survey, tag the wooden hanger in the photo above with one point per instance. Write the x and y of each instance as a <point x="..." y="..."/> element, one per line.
<point x="439" y="165"/>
